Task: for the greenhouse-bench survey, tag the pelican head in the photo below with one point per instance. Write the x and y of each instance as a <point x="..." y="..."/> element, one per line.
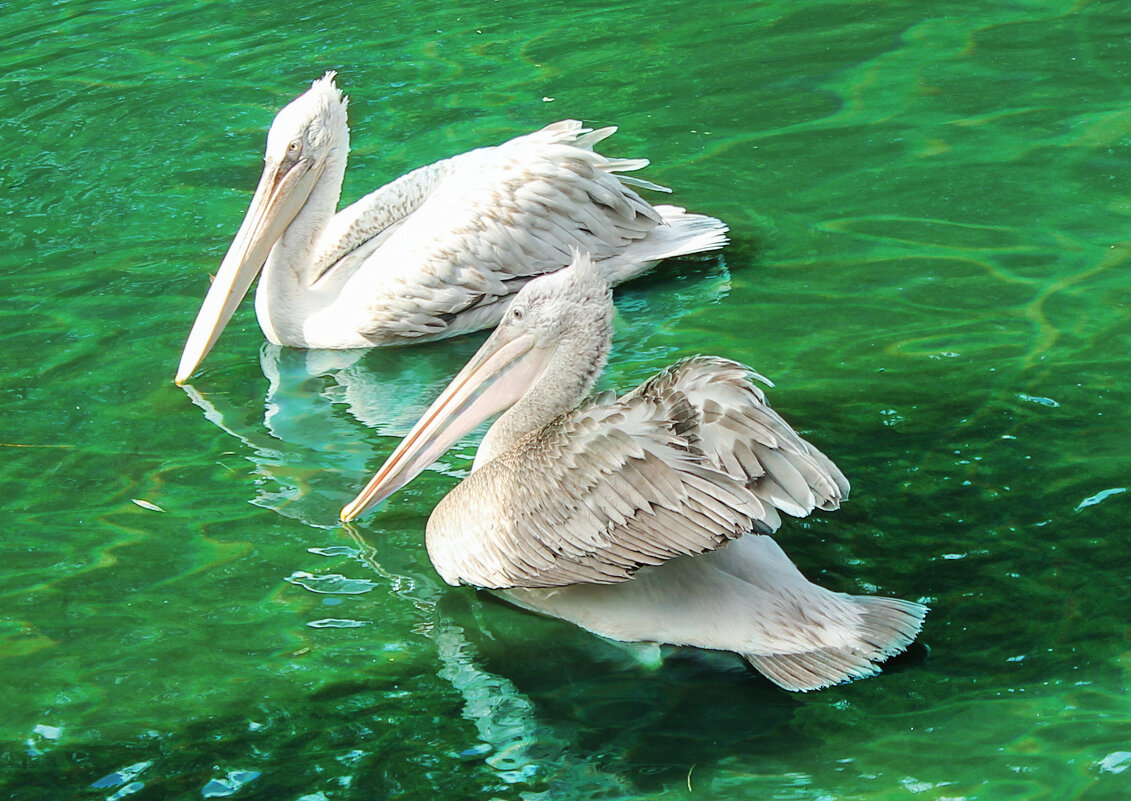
<point x="543" y="358"/>
<point x="307" y="134"/>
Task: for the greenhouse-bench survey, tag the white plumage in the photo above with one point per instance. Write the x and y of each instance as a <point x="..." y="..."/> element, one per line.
<point x="640" y="518"/>
<point x="437" y="252"/>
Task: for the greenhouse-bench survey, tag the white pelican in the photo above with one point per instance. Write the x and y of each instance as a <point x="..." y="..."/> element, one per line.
<point x="634" y="517"/>
<point x="437" y="252"/>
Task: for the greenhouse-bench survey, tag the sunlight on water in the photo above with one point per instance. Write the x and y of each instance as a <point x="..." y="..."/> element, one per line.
<point x="929" y="212"/>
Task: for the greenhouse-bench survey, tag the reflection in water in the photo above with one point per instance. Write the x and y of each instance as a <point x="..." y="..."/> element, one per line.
<point x="513" y="742"/>
<point x="315" y="456"/>
<point x="311" y="454"/>
<point x="942" y="205"/>
<point x="323" y="413"/>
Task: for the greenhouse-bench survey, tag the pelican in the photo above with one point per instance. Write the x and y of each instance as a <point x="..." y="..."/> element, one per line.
<point x="437" y="252"/>
<point x="643" y="518"/>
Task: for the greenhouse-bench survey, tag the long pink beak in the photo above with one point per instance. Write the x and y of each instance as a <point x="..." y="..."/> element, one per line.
<point x="282" y="191"/>
<point x="497" y="376"/>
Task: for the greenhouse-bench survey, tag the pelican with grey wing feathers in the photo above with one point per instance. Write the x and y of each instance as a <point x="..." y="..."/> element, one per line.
<point x="642" y="518"/>
<point x="437" y="252"/>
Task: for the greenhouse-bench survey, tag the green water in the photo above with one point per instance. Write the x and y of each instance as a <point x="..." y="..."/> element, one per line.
<point x="929" y="205"/>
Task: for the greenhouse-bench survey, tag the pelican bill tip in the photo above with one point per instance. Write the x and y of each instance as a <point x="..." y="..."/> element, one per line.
<point x="186" y="367"/>
<point x="184" y="373"/>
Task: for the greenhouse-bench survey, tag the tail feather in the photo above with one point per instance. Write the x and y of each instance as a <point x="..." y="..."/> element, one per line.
<point x="812" y="670"/>
<point x="587" y="138"/>
<point x="626" y="165"/>
<point x="680" y="234"/>
<point x="640" y="183"/>
<point x="748" y="598"/>
<point x="886" y="627"/>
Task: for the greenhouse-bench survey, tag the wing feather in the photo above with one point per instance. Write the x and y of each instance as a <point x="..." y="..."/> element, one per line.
<point x="585" y="502"/>
<point x="740" y="434"/>
<point x="689" y="460"/>
<point x="512" y="211"/>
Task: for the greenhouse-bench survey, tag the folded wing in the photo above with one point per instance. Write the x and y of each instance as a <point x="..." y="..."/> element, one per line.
<point x="688" y="461"/>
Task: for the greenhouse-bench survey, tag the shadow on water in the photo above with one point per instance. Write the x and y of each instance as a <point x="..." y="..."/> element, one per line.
<point x="929" y="218"/>
<point x="552" y="707"/>
<point x="329" y="417"/>
<point x="566" y="725"/>
<point x="538" y="706"/>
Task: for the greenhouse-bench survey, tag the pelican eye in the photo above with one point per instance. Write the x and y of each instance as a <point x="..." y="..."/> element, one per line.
<point x="294" y="147"/>
<point x="517" y="312"/>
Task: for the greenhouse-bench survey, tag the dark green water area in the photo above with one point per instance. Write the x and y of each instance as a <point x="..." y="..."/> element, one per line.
<point x="930" y="212"/>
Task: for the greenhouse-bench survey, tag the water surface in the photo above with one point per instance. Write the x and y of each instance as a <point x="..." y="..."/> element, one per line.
<point x="929" y="211"/>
